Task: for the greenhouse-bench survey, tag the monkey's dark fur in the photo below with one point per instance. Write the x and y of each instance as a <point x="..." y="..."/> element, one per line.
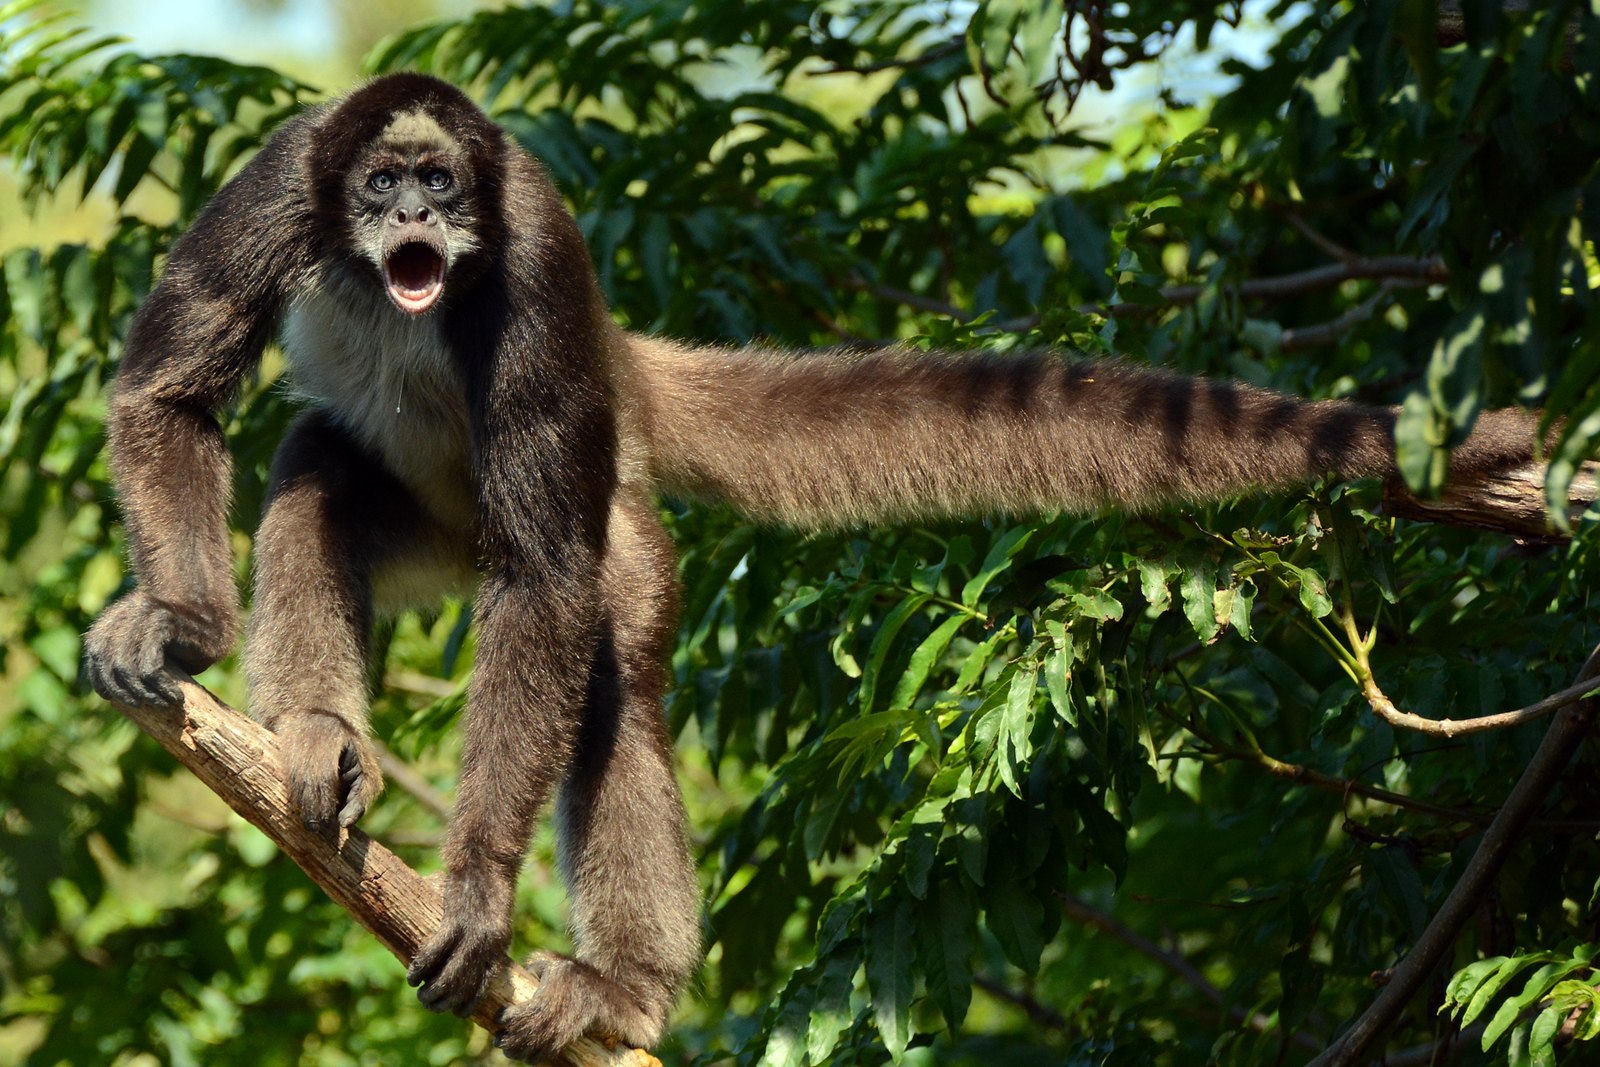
<point x="474" y="411"/>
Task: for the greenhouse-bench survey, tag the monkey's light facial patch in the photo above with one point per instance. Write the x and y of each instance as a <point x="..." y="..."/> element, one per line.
<point x="414" y="275"/>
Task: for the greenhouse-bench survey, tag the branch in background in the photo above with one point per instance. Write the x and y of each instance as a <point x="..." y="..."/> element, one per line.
<point x="1568" y="730"/>
<point x="1297" y="222"/>
<point x="238" y="759"/>
<point x="1040" y="1014"/>
<point x="1418" y="269"/>
<point x="1328" y="334"/>
<point x="932" y="55"/>
<point x="1435" y="1052"/>
<point x="1082" y="913"/>
<point x="1302" y="775"/>
<point x="1395" y="271"/>
<point x="402" y="774"/>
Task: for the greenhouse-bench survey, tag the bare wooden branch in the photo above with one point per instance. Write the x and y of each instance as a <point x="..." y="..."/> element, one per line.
<point x="238" y="759"/>
<point x="1511" y="502"/>
<point x="1327" y="334"/>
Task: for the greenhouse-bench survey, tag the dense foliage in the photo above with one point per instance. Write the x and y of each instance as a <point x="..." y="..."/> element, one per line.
<point x="1090" y="790"/>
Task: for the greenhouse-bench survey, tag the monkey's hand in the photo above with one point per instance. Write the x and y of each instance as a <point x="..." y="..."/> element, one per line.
<point x="140" y="647"/>
<point x="573" y="1000"/>
<point x="456" y="964"/>
<point x="331" y="769"/>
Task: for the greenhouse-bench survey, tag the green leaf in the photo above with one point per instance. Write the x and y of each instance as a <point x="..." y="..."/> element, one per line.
<point x="1057" y="680"/>
<point x="1199" y="596"/>
<point x="831" y="1013"/>
<point x="927" y="654"/>
<point x="1244" y="599"/>
<point x="1542" y="1037"/>
<point x="1314" y="593"/>
<point x="1015" y="916"/>
<point x="946" y="950"/>
<point x="882" y="642"/>
<point x="1494" y="981"/>
<point x="1014" y="742"/>
<point x="1153" y="577"/>
<point x="890" y="948"/>
<point x="998" y="559"/>
<point x="1455" y="372"/>
<point x="1538" y="984"/>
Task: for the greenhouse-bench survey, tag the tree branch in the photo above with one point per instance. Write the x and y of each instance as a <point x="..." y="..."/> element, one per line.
<point x="1511" y="502"/>
<point x="1560" y="741"/>
<point x="1327" y="334"/>
<point x="1384" y="708"/>
<point x="238" y="759"/>
<point x="922" y="59"/>
<point x="1396" y="271"/>
<point x="1422" y="269"/>
<point x="402" y="774"/>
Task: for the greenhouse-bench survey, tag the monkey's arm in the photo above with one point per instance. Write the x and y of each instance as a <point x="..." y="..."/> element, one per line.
<point x="863" y="438"/>
<point x="192" y="342"/>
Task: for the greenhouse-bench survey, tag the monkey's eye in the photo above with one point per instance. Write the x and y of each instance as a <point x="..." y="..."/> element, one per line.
<point x="381" y="182"/>
<point x="436" y="179"/>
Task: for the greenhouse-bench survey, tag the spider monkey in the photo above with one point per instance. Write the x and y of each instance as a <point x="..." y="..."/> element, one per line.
<point x="477" y="421"/>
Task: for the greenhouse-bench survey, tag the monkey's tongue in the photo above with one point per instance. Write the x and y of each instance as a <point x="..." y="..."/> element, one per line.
<point x="414" y="274"/>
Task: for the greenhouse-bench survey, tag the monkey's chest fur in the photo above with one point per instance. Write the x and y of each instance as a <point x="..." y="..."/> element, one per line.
<point x="390" y="380"/>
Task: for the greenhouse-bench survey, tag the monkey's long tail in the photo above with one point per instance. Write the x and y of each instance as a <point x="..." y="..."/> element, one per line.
<point x="842" y="439"/>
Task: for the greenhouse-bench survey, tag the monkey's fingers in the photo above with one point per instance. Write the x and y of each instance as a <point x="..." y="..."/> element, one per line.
<point x="354" y="786"/>
<point x="314" y="789"/>
<point x="315" y="800"/>
<point x="138" y="676"/>
<point x="454" y="969"/>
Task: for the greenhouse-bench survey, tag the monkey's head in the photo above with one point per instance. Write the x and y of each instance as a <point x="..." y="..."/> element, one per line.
<point x="409" y="175"/>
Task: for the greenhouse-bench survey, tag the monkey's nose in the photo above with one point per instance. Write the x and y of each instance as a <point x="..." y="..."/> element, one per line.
<point x="420" y="216"/>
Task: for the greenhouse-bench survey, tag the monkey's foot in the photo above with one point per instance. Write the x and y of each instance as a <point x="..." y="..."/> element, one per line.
<point x="574" y="1000"/>
<point x="331" y="770"/>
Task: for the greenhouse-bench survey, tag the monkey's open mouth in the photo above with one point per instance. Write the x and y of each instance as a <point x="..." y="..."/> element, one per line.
<point x="414" y="274"/>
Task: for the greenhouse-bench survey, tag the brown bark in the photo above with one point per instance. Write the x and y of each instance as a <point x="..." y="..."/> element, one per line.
<point x="1511" y="503"/>
<point x="238" y="759"/>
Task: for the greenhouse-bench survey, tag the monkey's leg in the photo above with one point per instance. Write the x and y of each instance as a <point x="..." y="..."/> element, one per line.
<point x="333" y="515"/>
<point x="635" y="901"/>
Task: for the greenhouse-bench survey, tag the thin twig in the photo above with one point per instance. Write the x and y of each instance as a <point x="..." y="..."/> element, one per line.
<point x="1093" y="917"/>
<point x="406" y="777"/>
<point x="1565" y="734"/>
<point x="1303" y="775"/>
<point x="1323" y="335"/>
<point x="1040" y="1014"/>
<point x="1311" y="233"/>
<point x="1384" y="708"/>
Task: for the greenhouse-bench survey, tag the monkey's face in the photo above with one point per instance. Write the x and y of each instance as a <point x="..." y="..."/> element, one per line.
<point x="410" y="199"/>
